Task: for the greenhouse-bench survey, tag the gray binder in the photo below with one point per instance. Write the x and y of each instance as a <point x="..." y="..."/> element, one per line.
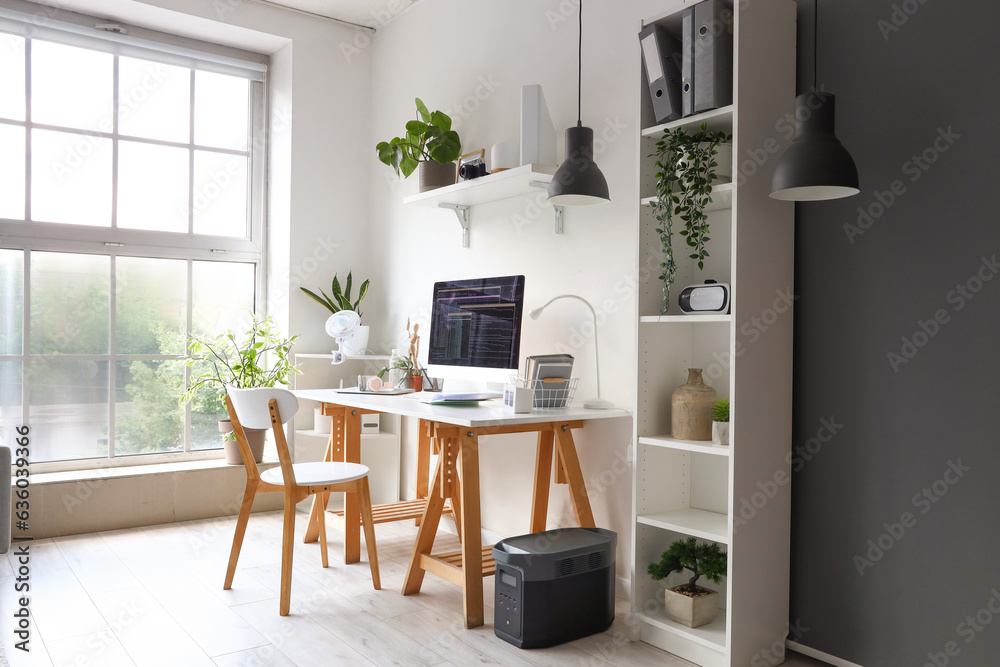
<point x="687" y="61"/>
<point x="713" y="55"/>
<point x="660" y="54"/>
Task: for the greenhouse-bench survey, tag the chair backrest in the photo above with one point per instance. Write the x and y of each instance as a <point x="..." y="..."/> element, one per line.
<point x="251" y="405"/>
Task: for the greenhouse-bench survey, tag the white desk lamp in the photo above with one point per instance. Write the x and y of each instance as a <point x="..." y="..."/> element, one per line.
<point x="340" y="326"/>
<point x="594" y="403"/>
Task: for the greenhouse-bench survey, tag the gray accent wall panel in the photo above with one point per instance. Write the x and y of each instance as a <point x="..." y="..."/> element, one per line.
<point x="896" y="509"/>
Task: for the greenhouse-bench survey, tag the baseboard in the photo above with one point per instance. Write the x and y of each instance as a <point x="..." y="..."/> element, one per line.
<point x="623" y="588"/>
<point x="819" y="655"/>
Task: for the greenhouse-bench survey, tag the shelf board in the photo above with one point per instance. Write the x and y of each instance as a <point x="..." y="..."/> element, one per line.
<point x="716" y="119"/>
<point x="348" y="357"/>
<point x="694" y="522"/>
<point x="319" y="434"/>
<point x="686" y="319"/>
<point x="494" y="187"/>
<point x="722" y="198"/>
<point x="700" y="446"/>
<point x="712" y="636"/>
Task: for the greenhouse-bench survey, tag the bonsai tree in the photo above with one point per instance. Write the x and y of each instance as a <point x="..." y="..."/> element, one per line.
<point x="685" y="166"/>
<point x="341" y="297"/>
<point x="228" y="360"/>
<point x="429" y="137"/>
<point x="703" y="560"/>
<point x="720" y="410"/>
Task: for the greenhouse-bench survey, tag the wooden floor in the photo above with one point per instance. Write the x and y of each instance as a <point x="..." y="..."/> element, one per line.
<point x="153" y="596"/>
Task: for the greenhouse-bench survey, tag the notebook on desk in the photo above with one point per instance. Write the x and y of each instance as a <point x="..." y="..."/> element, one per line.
<point x="457" y="399"/>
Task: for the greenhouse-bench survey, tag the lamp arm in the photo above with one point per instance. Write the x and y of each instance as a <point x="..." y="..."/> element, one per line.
<point x="593" y="313"/>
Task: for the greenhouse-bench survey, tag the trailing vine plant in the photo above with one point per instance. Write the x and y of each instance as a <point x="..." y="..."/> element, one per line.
<point x="685" y="170"/>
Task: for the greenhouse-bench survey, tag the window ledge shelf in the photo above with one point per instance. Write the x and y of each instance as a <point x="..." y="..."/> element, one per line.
<point x="39" y="478"/>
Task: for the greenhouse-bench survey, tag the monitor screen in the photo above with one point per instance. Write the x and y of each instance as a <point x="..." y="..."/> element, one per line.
<point x="477" y="323"/>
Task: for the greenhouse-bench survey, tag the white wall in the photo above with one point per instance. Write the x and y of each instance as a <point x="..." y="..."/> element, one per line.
<point x="470" y="60"/>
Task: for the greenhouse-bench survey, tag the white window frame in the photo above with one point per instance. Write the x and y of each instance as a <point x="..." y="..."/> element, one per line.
<point x="113" y="242"/>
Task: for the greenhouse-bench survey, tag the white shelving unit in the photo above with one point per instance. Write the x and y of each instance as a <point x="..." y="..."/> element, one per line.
<point x="461" y="197"/>
<point x="684" y="488"/>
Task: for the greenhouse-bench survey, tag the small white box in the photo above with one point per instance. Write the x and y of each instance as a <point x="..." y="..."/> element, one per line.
<point x="518" y="399"/>
<point x="370" y="424"/>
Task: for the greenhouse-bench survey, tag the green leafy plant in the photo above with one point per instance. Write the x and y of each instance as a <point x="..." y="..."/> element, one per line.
<point x="238" y="361"/>
<point x="402" y="362"/>
<point x="703" y="560"/>
<point x="720" y="410"/>
<point x="685" y="165"/>
<point x="341" y="297"/>
<point x="429" y="137"/>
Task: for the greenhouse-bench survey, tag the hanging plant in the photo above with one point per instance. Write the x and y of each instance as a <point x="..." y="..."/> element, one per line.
<point x="685" y="165"/>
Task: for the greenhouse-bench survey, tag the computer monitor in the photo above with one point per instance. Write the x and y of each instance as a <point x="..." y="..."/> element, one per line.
<point x="476" y="329"/>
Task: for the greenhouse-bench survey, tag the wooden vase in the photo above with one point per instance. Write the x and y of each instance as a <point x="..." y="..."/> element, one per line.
<point x="691" y="408"/>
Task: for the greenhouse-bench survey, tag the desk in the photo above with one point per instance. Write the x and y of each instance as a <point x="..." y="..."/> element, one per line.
<point x="454" y="433"/>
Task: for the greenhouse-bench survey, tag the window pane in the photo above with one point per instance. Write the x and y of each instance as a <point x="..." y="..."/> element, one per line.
<point x="148" y="419"/>
<point x="151" y="306"/>
<point x="207" y="410"/>
<point x="220" y="194"/>
<point x="70" y="178"/>
<point x="152" y="187"/>
<point x="10" y="403"/>
<point x="11" y="171"/>
<point x="221" y="110"/>
<point x="154" y="100"/>
<point x="223" y="296"/>
<point x="69" y="303"/>
<point x="71" y="87"/>
<point x="69" y="409"/>
<point x="12" y="76"/>
<point x="11" y="301"/>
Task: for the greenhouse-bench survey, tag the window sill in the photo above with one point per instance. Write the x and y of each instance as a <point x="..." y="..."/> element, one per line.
<point x="138" y="471"/>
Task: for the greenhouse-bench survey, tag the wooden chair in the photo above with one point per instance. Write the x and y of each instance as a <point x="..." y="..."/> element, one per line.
<point x="263" y="408"/>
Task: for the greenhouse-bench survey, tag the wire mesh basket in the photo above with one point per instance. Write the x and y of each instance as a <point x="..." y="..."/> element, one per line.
<point x="550" y="392"/>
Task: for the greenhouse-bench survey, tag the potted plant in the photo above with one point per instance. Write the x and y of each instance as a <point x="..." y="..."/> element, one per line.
<point x="357" y="344"/>
<point x="720" y="422"/>
<point x="691" y="604"/>
<point x="238" y="362"/>
<point x="429" y="143"/>
<point x="686" y="169"/>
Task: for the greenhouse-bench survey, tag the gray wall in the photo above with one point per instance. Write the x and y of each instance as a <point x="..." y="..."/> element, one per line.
<point x="902" y="427"/>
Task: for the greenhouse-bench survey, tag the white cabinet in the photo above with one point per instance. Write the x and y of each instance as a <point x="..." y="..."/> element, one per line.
<point x="683" y="488"/>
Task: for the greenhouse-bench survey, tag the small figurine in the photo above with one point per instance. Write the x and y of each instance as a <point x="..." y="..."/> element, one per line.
<point x="414" y="342"/>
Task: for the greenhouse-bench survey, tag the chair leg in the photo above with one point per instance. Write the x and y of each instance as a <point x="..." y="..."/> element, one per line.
<point x="365" y="503"/>
<point x="241" y="529"/>
<point x="287" y="545"/>
<point x="320" y="499"/>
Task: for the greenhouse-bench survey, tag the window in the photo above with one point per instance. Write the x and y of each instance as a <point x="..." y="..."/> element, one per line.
<point x="131" y="213"/>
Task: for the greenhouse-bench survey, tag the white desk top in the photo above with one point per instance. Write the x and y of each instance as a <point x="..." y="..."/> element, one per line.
<point x="487" y="413"/>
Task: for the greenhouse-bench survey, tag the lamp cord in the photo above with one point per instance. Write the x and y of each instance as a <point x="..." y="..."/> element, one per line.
<point x="815" y="43"/>
<point x="579" y="71"/>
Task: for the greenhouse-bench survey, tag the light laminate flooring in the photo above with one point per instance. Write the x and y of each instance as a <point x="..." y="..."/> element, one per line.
<point x="153" y="597"/>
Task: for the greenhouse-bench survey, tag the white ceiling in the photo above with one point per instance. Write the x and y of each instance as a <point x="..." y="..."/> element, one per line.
<point x="371" y="13"/>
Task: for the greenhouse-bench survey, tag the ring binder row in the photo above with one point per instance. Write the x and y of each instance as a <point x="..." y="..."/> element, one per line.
<point x="692" y="71"/>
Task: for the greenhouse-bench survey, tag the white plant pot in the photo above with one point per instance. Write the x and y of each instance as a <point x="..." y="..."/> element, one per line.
<point x="322" y="423"/>
<point x="720" y="433"/>
<point x="357" y="344"/>
<point x="692" y="612"/>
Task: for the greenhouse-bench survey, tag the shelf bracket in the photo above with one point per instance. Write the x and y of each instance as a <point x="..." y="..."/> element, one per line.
<point x="557" y="209"/>
<point x="462" y="213"/>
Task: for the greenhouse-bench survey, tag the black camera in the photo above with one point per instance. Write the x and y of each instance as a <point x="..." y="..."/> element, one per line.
<point x="472" y="169"/>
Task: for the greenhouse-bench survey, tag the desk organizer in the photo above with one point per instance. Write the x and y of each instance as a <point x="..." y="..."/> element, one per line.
<point x="547" y="393"/>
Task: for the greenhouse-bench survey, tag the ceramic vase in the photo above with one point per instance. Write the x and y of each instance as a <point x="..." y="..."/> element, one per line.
<point x="691" y="408"/>
<point x="433" y="175"/>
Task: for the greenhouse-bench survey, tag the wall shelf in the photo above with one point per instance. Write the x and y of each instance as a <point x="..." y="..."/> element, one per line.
<point x="722" y="197"/>
<point x="689" y="521"/>
<point x="347" y="357"/>
<point x="461" y="197"/>
<point x="699" y="446"/>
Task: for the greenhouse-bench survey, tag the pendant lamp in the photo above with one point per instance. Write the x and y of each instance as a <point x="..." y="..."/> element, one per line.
<point x="579" y="181"/>
<point x="816" y="166"/>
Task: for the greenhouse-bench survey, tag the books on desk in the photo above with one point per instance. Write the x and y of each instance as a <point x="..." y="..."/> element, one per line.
<point x="550" y="377"/>
<point x="458" y="399"/>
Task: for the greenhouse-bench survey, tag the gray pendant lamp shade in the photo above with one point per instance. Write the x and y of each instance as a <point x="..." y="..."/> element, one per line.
<point x="816" y="166"/>
<point x="579" y="181"/>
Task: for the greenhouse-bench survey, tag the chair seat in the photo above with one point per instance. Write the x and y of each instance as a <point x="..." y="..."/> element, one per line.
<point x="317" y="473"/>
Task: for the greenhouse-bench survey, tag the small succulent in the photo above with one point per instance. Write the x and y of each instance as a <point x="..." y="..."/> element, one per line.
<point x="720" y="411"/>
